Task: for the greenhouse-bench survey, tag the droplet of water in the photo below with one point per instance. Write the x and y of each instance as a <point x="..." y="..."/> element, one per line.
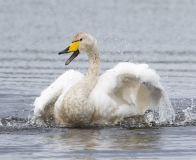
<point x="0" y="122"/>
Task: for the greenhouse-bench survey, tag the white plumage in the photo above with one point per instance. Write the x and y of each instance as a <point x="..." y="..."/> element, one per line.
<point x="77" y="100"/>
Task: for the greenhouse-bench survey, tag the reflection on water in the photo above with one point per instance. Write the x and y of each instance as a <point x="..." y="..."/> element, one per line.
<point x="101" y="143"/>
<point x="109" y="138"/>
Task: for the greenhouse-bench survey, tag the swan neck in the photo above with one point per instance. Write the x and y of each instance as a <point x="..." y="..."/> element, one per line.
<point x="94" y="67"/>
<point x="94" y="62"/>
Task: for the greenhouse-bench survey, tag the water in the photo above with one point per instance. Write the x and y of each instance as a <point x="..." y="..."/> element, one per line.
<point x="159" y="33"/>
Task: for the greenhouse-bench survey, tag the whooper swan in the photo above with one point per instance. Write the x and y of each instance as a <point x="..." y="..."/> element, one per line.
<point x="83" y="100"/>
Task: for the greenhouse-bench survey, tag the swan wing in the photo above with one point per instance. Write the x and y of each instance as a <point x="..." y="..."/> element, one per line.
<point x="44" y="104"/>
<point x="127" y="89"/>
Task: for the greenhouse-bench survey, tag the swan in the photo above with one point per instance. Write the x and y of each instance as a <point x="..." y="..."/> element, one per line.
<point x="75" y="99"/>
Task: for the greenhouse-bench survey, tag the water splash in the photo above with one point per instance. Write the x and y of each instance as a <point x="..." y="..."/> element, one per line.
<point x="164" y="115"/>
<point x="166" y="111"/>
<point x="13" y="121"/>
<point x="190" y="114"/>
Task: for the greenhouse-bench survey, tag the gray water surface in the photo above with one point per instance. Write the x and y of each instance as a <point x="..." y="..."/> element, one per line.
<point x="159" y="33"/>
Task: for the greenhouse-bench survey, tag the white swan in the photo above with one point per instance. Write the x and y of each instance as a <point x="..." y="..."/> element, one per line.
<point x="73" y="99"/>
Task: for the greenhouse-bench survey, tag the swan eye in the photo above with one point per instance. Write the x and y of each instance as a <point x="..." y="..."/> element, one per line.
<point x="80" y="39"/>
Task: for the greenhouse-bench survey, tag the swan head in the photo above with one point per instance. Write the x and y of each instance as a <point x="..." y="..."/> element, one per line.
<point x="82" y="42"/>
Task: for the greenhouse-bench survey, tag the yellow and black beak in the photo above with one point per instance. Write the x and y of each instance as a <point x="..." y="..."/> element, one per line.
<point x="73" y="47"/>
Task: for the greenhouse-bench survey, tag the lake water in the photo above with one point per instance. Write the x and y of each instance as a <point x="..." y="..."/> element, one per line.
<point x="159" y="33"/>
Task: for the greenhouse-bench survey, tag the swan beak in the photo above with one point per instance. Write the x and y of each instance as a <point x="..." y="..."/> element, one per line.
<point x="73" y="47"/>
